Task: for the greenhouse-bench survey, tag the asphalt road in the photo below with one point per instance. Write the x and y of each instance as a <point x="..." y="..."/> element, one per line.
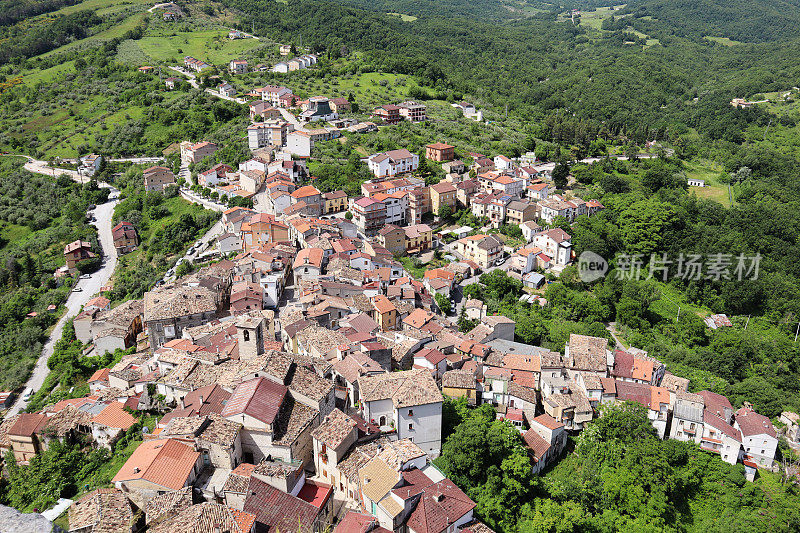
<point x="89" y="287"/>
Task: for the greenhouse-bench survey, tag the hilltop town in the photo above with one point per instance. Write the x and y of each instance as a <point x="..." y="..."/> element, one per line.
<point x="349" y="296"/>
<point x="298" y="376"/>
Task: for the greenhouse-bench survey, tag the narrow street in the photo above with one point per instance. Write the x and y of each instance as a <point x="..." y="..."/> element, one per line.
<point x="88" y="287"/>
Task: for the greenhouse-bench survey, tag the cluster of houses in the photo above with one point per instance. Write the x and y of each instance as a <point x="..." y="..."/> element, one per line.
<point x="298" y="63"/>
<point x="409" y="110"/>
<point x="321" y="408"/>
<point x="299" y="378"/>
<point x="196" y="65"/>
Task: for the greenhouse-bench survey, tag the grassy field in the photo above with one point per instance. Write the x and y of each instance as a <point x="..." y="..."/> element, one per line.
<point x="722" y="40"/>
<point x="594" y="19"/>
<point x="117" y="30"/>
<point x="212" y="46"/>
<point x="671" y="298"/>
<point x="404" y="18"/>
<point x="103" y="7"/>
<point x="368" y="89"/>
<point x="710" y="173"/>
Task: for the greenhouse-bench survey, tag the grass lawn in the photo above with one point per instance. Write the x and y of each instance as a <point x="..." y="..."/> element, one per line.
<point x="212" y="46"/>
<point x="369" y="89"/>
<point x="710" y="173"/>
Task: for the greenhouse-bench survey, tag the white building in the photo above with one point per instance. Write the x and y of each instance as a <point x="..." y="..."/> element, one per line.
<point x="392" y="163"/>
<point x="299" y="143"/>
<point x="281" y="67"/>
<point x="759" y="438"/>
<point x="90" y="164"/>
<point x="555" y="243"/>
<point x="409" y="402"/>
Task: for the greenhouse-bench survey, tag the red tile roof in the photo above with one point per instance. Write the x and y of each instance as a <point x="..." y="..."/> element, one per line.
<point x="752" y="423"/>
<point x="279" y="511"/>
<point x="259" y="398"/>
<point x="27" y="424"/>
<point x="440" y="505"/>
<point x="536" y="443"/>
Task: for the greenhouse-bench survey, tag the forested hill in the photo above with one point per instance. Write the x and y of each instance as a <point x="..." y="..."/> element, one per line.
<point x="538" y="66"/>
<point x="739" y="20"/>
<point x="497" y="10"/>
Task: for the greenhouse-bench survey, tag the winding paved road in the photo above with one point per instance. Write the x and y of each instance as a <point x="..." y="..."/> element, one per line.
<point x="89" y="287"/>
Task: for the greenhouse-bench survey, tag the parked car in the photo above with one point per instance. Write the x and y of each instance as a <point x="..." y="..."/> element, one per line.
<point x="26" y="395"/>
<point x="86" y="276"/>
<point x="77" y="289"/>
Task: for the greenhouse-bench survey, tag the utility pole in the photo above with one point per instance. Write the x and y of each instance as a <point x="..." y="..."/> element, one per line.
<point x="796" y="332"/>
<point x="748" y="322"/>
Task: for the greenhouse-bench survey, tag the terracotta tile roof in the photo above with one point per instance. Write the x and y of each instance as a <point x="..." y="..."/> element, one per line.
<point x="459" y="379"/>
<point x="354" y="522"/>
<point x="102" y="511"/>
<point x="536" y="444"/>
<point x="716" y="403"/>
<point x="165" y="462"/>
<point x="178" y="301"/>
<point x="207" y="518"/>
<point x="259" y="398"/>
<point x="99" y="375"/>
<point x="433" y="356"/>
<point x="548" y="421"/>
<point x="715" y="421"/>
<point x="294" y="418"/>
<point x="206" y="400"/>
<point x="309" y="384"/>
<point x="383" y="305"/>
<point x="587" y="353"/>
<point x="523" y="393"/>
<point x="674" y="383"/>
<point x="334" y="429"/>
<point x="377" y="479"/>
<point x="167" y="505"/>
<point x="405" y="389"/>
<point x="114" y="416"/>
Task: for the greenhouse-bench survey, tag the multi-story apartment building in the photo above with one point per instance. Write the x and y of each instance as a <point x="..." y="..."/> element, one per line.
<point x="369" y="215"/>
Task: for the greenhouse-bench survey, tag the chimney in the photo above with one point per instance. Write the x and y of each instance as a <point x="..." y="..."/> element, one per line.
<point x="201" y="399"/>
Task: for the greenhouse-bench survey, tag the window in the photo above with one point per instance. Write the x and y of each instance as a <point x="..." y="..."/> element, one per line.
<point x="411" y="427"/>
<point x="410" y="412"/>
<point x="382" y="421"/>
<point x="246" y="335"/>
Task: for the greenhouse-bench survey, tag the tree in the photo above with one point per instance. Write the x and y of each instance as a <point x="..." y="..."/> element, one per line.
<point x="445" y="212"/>
<point x="443" y="302"/>
<point x="464" y="323"/>
<point x="348" y="215"/>
<point x="560" y="174"/>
